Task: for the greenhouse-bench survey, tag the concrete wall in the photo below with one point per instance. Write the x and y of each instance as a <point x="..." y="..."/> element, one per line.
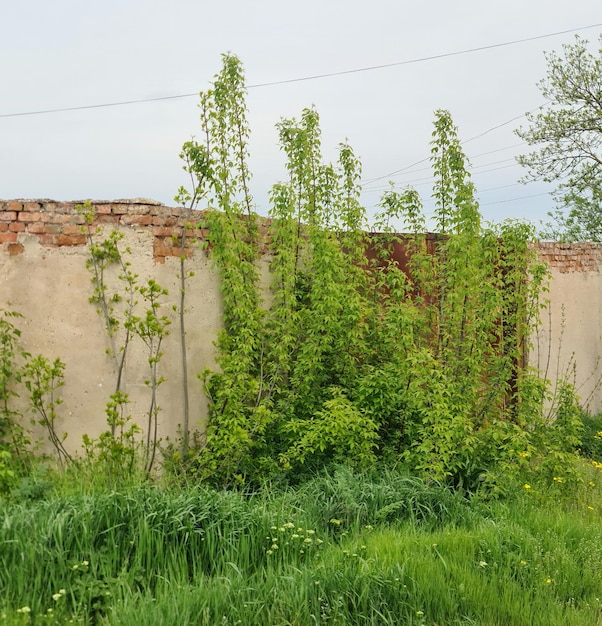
<point x="570" y="338"/>
<point x="43" y="275"/>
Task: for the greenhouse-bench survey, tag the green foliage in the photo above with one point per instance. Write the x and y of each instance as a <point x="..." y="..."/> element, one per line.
<point x="14" y="439"/>
<point x="591" y="437"/>
<point x="344" y="548"/>
<point x="353" y="360"/>
<point x="116" y="298"/>
<point x="338" y="433"/>
<point x="115" y="458"/>
<point x="39" y="379"/>
<point x="568" y="136"/>
<point x="42" y="380"/>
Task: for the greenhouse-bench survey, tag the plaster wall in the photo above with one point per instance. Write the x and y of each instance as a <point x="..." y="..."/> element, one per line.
<point x="569" y="342"/>
<point x="43" y="276"/>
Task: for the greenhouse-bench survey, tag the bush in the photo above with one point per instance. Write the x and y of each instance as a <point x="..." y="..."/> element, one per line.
<point x="591" y="438"/>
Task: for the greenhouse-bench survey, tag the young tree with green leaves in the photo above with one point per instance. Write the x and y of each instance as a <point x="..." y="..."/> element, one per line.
<point x="355" y="361"/>
<point x="567" y="135"/>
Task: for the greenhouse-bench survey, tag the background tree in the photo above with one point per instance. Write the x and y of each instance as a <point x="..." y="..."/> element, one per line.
<point x="568" y="134"/>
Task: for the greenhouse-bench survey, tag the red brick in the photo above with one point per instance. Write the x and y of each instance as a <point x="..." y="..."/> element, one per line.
<point x="164" y="231"/>
<point x="14" y="205"/>
<point x="72" y="229"/>
<point x="32" y="217"/>
<point x="15" y="248"/>
<point x="119" y="209"/>
<point x="8" y="216"/>
<point x="8" y="237"/>
<point x="3" y="227"/>
<point x="103" y="209"/>
<point x="106" y="219"/>
<point x="70" y="240"/>
<point x="160" y="250"/>
<point x="52" y="229"/>
<point x="47" y="240"/>
<point x="66" y="218"/>
<point x="36" y="228"/>
<point x="32" y="206"/>
<point x="142" y="220"/>
<point x="16" y="227"/>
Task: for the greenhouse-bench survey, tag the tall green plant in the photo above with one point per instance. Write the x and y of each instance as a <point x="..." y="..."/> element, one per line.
<point x="115" y="294"/>
<point x="13" y="438"/>
<point x="351" y="359"/>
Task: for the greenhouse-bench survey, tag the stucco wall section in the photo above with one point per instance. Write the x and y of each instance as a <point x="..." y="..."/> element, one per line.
<point x="43" y="276"/>
<point x="569" y="342"/>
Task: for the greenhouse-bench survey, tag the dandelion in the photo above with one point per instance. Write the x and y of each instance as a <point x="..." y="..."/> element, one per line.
<point x="368" y="527"/>
<point x="523" y="562"/>
<point x="526" y="486"/>
<point x="24" y="609"/>
<point x="85" y="563"/>
<point x="523" y="455"/>
<point x="591" y="508"/>
<point x="557" y="479"/>
<point x="295" y="536"/>
<point x="310" y="532"/>
<point x="289" y="525"/>
<point x="419" y="613"/>
<point x="482" y="563"/>
<point x="308" y="540"/>
<point x="548" y="581"/>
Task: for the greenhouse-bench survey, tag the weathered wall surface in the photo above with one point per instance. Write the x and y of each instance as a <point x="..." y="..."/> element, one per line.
<point x="43" y="276"/>
<point x="569" y="342"/>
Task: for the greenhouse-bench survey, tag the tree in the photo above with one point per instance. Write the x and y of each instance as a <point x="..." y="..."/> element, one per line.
<point x="568" y="134"/>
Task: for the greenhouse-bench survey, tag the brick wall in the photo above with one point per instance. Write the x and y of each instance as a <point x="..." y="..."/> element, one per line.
<point x="571" y="257"/>
<point x="60" y="224"/>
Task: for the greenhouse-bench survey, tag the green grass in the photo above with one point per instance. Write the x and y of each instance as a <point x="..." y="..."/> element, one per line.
<point x="340" y="549"/>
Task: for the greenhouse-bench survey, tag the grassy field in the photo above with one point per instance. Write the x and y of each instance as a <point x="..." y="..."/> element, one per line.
<point x="340" y="549"/>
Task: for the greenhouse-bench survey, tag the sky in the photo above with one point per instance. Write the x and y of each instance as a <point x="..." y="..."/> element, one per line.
<point x="69" y="54"/>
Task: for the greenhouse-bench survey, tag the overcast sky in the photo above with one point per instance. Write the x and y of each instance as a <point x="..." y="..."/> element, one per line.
<point x="69" y="53"/>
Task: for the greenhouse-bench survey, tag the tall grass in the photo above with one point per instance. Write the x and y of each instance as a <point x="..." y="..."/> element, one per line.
<point x="340" y="549"/>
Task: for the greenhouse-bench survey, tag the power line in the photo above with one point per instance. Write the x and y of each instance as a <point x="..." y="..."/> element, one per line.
<point x="418" y="181"/>
<point x="313" y="77"/>
<point x="485" y="132"/>
<point x="533" y="195"/>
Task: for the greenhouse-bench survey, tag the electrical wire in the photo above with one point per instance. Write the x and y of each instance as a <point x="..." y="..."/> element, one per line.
<point x="313" y="77"/>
